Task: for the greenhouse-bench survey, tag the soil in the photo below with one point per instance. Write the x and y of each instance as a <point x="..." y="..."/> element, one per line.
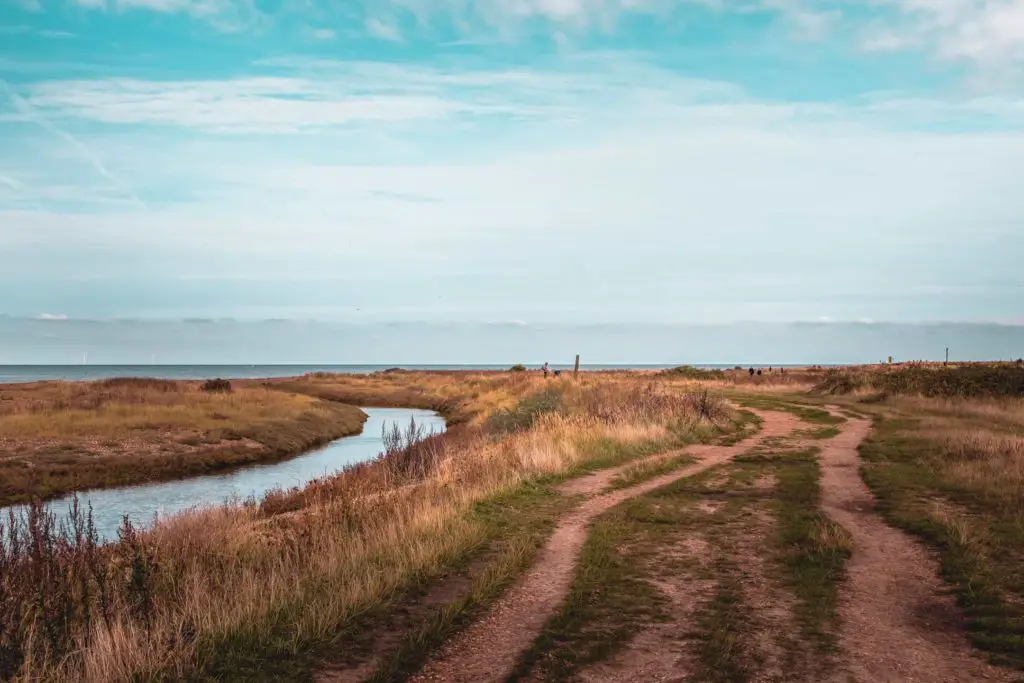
<point x="489" y="649"/>
<point x="898" y="622"/>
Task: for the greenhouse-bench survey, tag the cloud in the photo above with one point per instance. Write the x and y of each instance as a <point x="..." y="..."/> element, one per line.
<point x="324" y="34"/>
<point x="383" y="30"/>
<point x="580" y="92"/>
<point x="52" y="316"/>
<point x="28" y="111"/>
<point x="989" y="33"/>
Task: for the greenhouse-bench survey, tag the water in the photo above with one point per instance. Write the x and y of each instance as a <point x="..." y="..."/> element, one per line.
<point x="14" y="374"/>
<point x="144" y="503"/>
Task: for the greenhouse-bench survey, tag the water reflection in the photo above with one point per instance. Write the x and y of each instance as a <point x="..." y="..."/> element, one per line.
<point x="146" y="502"/>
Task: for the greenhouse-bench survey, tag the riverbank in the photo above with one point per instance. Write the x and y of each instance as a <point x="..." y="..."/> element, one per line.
<point x="228" y="592"/>
<point x="58" y="437"/>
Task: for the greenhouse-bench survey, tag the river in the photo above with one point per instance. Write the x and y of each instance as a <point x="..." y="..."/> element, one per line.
<point x="145" y="502"/>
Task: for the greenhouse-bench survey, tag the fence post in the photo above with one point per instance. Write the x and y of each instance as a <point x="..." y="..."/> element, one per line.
<point x="576" y="370"/>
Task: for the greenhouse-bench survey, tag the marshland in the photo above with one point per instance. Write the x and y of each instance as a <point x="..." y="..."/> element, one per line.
<point x="817" y="524"/>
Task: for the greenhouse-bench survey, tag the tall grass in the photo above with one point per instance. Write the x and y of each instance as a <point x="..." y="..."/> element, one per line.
<point x="232" y="588"/>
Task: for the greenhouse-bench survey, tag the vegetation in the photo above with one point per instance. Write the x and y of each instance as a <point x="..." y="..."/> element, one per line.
<point x="247" y="591"/>
<point x="57" y="437"/>
<point x="952" y="472"/>
<point x="698" y="561"/>
<point x="690" y="372"/>
<point x="974" y="380"/>
<point x="414" y="546"/>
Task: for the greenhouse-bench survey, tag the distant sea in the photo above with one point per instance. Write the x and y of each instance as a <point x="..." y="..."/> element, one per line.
<point x="15" y="374"/>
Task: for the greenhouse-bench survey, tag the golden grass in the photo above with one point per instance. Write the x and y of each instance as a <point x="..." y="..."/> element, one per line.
<point x="242" y="579"/>
<point x="60" y="436"/>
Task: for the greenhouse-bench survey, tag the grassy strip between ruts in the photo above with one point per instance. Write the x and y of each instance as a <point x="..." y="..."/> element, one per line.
<point x="813" y="550"/>
<point x="518" y="523"/>
<point x="743" y="426"/>
<point x="636" y="544"/>
<point x="804" y="411"/>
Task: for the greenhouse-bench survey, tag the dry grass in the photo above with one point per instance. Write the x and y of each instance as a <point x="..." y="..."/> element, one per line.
<point x="59" y="436"/>
<point x="275" y="580"/>
<point x="952" y="471"/>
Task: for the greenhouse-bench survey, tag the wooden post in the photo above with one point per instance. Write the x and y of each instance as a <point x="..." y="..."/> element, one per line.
<point x="947" y="355"/>
<point x="576" y="370"/>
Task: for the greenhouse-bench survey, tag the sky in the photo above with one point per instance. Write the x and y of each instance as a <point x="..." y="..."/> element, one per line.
<point x="512" y="161"/>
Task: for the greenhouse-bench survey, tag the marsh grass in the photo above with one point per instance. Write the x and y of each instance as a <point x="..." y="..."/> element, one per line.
<point x="260" y="586"/>
<point x="57" y="437"/>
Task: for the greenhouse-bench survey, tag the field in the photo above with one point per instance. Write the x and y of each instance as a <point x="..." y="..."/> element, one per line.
<point x="822" y="525"/>
<point x="57" y="437"/>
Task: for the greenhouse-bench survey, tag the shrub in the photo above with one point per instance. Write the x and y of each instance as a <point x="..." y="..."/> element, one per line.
<point x="525" y="413"/>
<point x="690" y="372"/>
<point x="518" y="367"/>
<point x="967" y="381"/>
<point x="216" y="385"/>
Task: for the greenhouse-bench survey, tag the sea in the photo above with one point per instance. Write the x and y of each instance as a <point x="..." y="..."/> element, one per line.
<point x="17" y="374"/>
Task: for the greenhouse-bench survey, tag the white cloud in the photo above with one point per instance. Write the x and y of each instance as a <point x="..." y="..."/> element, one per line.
<point x="989" y="33"/>
<point x="383" y="30"/>
<point x="51" y="316"/>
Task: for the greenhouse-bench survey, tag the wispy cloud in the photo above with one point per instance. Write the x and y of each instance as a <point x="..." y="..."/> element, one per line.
<point x="385" y="30"/>
<point x="29" y="112"/>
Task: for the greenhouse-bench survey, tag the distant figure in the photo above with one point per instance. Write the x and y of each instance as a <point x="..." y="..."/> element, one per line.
<point x="751" y="372"/>
<point x="546" y="369"/>
<point x="769" y="368"/>
<point x="758" y="373"/>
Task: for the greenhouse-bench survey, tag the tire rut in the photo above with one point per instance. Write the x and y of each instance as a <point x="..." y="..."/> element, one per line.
<point x="489" y="649"/>
<point x="898" y="622"/>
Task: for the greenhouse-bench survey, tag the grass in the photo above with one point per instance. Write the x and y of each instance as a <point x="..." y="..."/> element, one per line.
<point x="813" y="550"/>
<point x="264" y="587"/>
<point x="807" y="413"/>
<point x="57" y="437"/>
<point x="651" y="468"/>
<point x="969" y="380"/>
<point x="958" y="489"/>
<point x="609" y="602"/>
<point x="767" y="506"/>
<point x="722" y="629"/>
<point x="516" y="526"/>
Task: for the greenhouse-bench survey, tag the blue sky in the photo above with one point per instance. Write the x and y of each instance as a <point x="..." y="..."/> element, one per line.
<point x="513" y="160"/>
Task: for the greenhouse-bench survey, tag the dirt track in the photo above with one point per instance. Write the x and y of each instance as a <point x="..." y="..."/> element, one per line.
<point x="898" y="624"/>
<point x="489" y="649"/>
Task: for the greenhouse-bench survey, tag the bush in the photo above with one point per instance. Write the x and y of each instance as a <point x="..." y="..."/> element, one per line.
<point x="518" y="367"/>
<point x="690" y="372"/>
<point x="526" y="412"/>
<point x="217" y="385"/>
<point x="967" y="381"/>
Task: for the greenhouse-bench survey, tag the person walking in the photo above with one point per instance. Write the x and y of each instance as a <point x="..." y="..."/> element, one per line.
<point x="546" y="369"/>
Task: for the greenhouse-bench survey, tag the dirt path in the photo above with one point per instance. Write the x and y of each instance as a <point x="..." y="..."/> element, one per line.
<point x="489" y="649"/>
<point x="898" y="624"/>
